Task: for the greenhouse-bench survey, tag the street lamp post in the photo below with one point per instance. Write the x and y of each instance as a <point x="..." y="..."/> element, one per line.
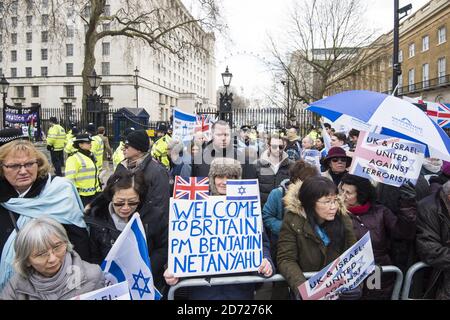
<point x="287" y="83"/>
<point x="396" y="66"/>
<point x="226" y="99"/>
<point x="136" y="85"/>
<point x="4" y="86"/>
<point x="94" y="100"/>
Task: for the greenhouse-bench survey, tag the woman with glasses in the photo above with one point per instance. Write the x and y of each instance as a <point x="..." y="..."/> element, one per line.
<point x="360" y="199"/>
<point x="336" y="164"/>
<point x="28" y="191"/>
<point x="273" y="166"/>
<point x="315" y="231"/>
<point x="47" y="267"/>
<point x="109" y="215"/>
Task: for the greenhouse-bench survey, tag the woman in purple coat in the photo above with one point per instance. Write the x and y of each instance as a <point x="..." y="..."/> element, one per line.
<point x="359" y="197"/>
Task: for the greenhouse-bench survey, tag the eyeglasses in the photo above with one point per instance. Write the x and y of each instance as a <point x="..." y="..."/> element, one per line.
<point x="17" y="166"/>
<point x="339" y="159"/>
<point x="329" y="203"/>
<point x="275" y="147"/>
<point x="129" y="203"/>
<point x="57" y="250"/>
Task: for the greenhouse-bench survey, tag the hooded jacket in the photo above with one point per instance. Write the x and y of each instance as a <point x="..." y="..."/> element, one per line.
<point x="270" y="177"/>
<point x="300" y="249"/>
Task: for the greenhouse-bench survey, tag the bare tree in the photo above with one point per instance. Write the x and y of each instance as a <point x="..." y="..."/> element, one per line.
<point x="322" y="46"/>
<point x="158" y="24"/>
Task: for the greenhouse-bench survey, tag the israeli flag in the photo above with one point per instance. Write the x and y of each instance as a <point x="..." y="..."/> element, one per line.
<point x="129" y="260"/>
<point x="240" y="190"/>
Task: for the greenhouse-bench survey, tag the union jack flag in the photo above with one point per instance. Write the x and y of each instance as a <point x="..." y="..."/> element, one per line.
<point x="438" y="112"/>
<point x="191" y="188"/>
<point x="203" y="123"/>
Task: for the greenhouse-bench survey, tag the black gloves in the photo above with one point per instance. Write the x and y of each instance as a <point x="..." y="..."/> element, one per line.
<point x="407" y="191"/>
<point x="354" y="294"/>
<point x="49" y="147"/>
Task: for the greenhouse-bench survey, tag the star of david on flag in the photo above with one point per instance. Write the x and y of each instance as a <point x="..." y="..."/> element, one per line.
<point x="191" y="188"/>
<point x="247" y="189"/>
<point x="129" y="260"/>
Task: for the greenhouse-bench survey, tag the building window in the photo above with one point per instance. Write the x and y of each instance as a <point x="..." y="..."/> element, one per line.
<point x="45" y="3"/>
<point x="69" y="69"/>
<point x="105" y="68"/>
<point x="35" y="91"/>
<point x="44" y="71"/>
<point x="70" y="91"/>
<point x="105" y="48"/>
<point x="411" y="80"/>
<point x="69" y="50"/>
<point x="20" y="92"/>
<point x="29" y="36"/>
<point x="412" y="50"/>
<point x="44" y="20"/>
<point x="44" y="54"/>
<point x="44" y="36"/>
<point x="13" y="72"/>
<point x="1" y="57"/>
<point x="13" y="55"/>
<point x="107" y="10"/>
<point x="29" y="21"/>
<point x="13" y="38"/>
<point x="70" y="31"/>
<point x="14" y="22"/>
<point x="442" y="35"/>
<point x="426" y="75"/>
<point x="106" y="90"/>
<point x="28" y="55"/>
<point x="441" y="70"/>
<point x="425" y="43"/>
<point x="70" y="12"/>
<point x="106" y="26"/>
<point x="28" y="72"/>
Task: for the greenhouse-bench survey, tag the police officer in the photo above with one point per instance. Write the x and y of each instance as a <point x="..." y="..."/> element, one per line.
<point x="56" y="139"/>
<point x="97" y="145"/>
<point x="160" y="150"/>
<point x="118" y="155"/>
<point x="69" y="149"/>
<point x="82" y="170"/>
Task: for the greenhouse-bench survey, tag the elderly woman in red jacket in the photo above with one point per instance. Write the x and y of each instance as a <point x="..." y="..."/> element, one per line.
<point x="359" y="197"/>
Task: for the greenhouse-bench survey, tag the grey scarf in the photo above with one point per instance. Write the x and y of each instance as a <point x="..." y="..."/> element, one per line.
<point x="53" y="288"/>
<point x="434" y="166"/>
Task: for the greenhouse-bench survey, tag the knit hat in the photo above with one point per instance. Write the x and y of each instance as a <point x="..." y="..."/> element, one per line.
<point x="446" y="168"/>
<point x="337" y="152"/>
<point x="223" y="167"/>
<point x="10" y="134"/>
<point x="138" y="139"/>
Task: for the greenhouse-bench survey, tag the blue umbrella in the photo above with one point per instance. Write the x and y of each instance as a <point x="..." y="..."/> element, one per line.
<point x="396" y="117"/>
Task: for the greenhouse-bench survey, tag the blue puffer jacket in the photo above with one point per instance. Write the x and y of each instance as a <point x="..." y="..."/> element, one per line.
<point x="273" y="210"/>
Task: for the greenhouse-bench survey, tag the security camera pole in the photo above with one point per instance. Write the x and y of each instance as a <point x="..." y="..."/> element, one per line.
<point x="396" y="66"/>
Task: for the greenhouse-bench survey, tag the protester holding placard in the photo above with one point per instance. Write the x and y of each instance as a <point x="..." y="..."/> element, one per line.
<point x="315" y="231"/>
<point x="221" y="170"/>
<point x="336" y="164"/>
<point x="47" y="266"/>
<point x="360" y="199"/>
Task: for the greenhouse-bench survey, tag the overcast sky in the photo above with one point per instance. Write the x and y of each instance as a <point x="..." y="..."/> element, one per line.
<point x="249" y="23"/>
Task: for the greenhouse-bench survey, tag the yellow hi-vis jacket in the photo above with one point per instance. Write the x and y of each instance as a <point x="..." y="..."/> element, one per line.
<point x="97" y="148"/>
<point x="82" y="171"/>
<point x="160" y="151"/>
<point x="118" y="155"/>
<point x="56" y="137"/>
<point x="69" y="148"/>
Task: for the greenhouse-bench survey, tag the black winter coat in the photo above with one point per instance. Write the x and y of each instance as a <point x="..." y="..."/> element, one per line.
<point x="268" y="179"/>
<point x="155" y="212"/>
<point x="78" y="236"/>
<point x="433" y="242"/>
<point x="202" y="161"/>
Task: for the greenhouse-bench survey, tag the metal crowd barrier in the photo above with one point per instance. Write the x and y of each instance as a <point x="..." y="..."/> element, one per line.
<point x="409" y="278"/>
<point x="217" y="281"/>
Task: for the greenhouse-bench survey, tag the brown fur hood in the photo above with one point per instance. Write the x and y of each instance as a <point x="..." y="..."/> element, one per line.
<point x="292" y="203"/>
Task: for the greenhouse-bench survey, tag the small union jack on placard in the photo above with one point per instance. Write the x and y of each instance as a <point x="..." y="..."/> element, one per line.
<point x="191" y="188"/>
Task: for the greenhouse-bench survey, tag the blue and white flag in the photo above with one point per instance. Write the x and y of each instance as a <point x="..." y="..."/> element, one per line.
<point x="129" y="260"/>
<point x="183" y="125"/>
<point x="240" y="190"/>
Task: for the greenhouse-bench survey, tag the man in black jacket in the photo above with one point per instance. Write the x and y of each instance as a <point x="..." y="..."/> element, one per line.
<point x="155" y="209"/>
<point x="433" y="240"/>
<point x="221" y="146"/>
